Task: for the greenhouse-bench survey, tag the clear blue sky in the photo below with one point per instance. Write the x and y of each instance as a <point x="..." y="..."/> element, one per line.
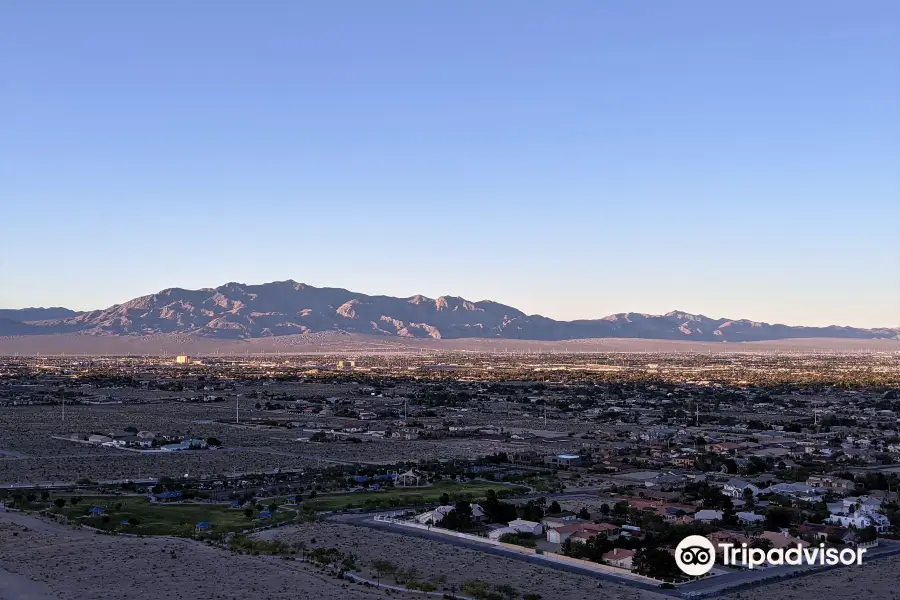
<point x="573" y="159"/>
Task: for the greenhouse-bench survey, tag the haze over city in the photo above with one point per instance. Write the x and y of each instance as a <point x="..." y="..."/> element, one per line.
<point x="572" y="161"/>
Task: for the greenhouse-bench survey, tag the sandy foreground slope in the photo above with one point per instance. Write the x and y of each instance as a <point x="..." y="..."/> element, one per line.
<point x="876" y="580"/>
<point x="43" y="561"/>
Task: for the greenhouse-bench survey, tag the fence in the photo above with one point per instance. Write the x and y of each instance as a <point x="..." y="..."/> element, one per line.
<point x="449" y="532"/>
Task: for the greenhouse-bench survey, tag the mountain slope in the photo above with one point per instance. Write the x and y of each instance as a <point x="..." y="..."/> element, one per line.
<point x="239" y="311"/>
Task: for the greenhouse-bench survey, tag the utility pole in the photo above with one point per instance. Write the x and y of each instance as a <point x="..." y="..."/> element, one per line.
<point x="237" y="409"/>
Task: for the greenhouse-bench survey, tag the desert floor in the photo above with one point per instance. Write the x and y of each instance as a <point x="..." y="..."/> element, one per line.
<point x="877" y="580"/>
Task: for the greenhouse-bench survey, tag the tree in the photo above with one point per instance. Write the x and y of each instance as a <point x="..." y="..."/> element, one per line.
<point x="74" y="500"/>
<point x="620" y="509"/>
<point x="383" y="567"/>
<point x="584" y="514"/>
<point x="655" y="562"/>
<point x="531" y="596"/>
<point x="211" y="441"/>
<point x="460" y="518"/>
<point x="498" y="512"/>
<point x="868" y="534"/>
<point x="762" y="543"/>
<point x="444" y="499"/>
<point x="531" y="511"/>
<point x="248" y="512"/>
<point x="748" y="498"/>
<point x="476" y="588"/>
<point x="507" y="591"/>
<point x="713" y="498"/>
<point x="729" y="516"/>
<point x="554" y="508"/>
<point x="604" y="508"/>
<point x="778" y="517"/>
<point x="60" y="502"/>
<point x="131" y="429"/>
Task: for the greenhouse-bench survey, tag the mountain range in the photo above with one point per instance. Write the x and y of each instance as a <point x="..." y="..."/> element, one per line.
<point x="240" y="311"/>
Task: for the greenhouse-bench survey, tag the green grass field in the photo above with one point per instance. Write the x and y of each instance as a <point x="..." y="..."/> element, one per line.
<point x="385" y="498"/>
<point x="178" y="519"/>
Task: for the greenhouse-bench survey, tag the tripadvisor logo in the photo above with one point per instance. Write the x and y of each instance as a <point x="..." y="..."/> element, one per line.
<point x="695" y="555"/>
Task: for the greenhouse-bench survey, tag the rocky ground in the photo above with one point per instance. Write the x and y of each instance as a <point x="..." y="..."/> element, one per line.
<point x="876" y="580"/>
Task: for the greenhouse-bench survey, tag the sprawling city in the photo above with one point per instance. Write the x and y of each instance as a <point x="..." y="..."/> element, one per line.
<point x="467" y="475"/>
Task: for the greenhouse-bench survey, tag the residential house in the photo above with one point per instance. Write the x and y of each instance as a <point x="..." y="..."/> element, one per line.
<point x="619" y="557"/>
<point x="585" y="531"/>
<point x="749" y="518"/>
<point x="725" y="448"/>
<point x="736" y="488"/>
<point x="862" y="519"/>
<point x="437" y="515"/>
<point x="831" y="483"/>
<point x="523" y="526"/>
<point x="707" y="516"/>
<point x="781" y="539"/>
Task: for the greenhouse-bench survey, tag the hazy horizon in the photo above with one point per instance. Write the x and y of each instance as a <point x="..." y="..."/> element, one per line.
<point x="573" y="160"/>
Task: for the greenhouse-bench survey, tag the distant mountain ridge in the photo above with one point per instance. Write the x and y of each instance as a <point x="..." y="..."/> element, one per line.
<point x="26" y="315"/>
<point x="240" y="311"/>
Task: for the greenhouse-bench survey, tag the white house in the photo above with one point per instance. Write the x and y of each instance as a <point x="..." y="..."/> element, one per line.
<point x="434" y="516"/>
<point x="437" y="515"/>
<point x="523" y="526"/>
<point x="862" y="519"/>
<point x="737" y="487"/>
